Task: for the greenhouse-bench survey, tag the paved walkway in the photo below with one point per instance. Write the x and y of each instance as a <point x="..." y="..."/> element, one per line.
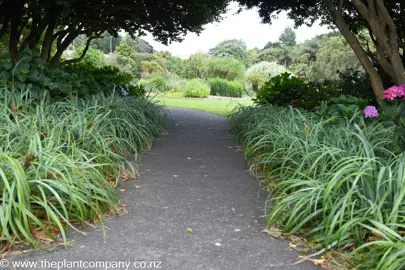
<point x="196" y="178"/>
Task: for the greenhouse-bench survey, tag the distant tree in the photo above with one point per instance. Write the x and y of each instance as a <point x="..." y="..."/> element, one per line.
<point x="384" y="21"/>
<point x="194" y="66"/>
<point x="288" y="37"/>
<point x="235" y="48"/>
<point x="224" y="67"/>
<point x="333" y="57"/>
<point x="139" y="45"/>
<point x="126" y="59"/>
<point x="272" y="45"/>
<point x="103" y="43"/>
<point x="252" y="56"/>
<point x="107" y="43"/>
<point x="173" y="64"/>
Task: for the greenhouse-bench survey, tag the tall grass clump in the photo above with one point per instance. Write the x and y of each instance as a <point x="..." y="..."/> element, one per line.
<point x="340" y="186"/>
<point x="59" y="161"/>
<point x="222" y="87"/>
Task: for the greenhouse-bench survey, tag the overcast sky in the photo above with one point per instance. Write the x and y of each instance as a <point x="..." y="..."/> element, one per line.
<point x="246" y="26"/>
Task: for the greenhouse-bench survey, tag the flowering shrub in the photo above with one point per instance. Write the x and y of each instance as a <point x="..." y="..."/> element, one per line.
<point x="394" y="108"/>
<point x="395" y="92"/>
<point x="370" y="112"/>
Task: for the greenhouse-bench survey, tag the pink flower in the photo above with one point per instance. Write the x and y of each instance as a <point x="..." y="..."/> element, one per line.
<point x="370" y="112"/>
<point x="395" y="92"/>
<point x="292" y="102"/>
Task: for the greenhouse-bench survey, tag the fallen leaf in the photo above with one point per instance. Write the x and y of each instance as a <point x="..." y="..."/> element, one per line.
<point x="188" y="158"/>
<point x="292" y="245"/>
<point x="189" y="230"/>
<point x="233" y="209"/>
<point x="41" y="235"/>
<point x="137" y="186"/>
<point x="319" y="261"/>
<point x="122" y="189"/>
<point x="175" y="176"/>
<point x="127" y="175"/>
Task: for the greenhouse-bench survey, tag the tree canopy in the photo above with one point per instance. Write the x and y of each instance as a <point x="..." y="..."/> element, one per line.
<point x="384" y="21"/>
<point x="288" y="37"/>
<point x="235" y="48"/>
<point x="45" y="23"/>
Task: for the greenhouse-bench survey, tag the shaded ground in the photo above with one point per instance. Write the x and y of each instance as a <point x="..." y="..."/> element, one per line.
<point x="194" y="177"/>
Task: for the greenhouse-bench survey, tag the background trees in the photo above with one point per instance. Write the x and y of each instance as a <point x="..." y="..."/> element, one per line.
<point x="383" y="21"/>
<point x="234" y="48"/>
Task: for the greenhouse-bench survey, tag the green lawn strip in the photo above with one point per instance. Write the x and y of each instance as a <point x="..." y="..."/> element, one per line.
<point x="220" y="107"/>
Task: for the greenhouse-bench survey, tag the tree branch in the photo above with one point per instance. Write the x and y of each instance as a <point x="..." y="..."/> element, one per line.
<point x="75" y="60"/>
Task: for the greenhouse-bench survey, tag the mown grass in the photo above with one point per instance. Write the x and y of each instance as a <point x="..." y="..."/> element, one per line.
<point x="59" y="161"/>
<point x="340" y="186"/>
<point x="220" y="107"/>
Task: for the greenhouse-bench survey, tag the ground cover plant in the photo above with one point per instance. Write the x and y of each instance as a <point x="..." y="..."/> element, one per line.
<point x="59" y="161"/>
<point x="338" y="184"/>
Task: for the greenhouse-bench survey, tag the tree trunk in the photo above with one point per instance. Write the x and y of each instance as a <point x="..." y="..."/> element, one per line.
<point x="376" y="82"/>
<point x="383" y="28"/>
<point x="14" y="38"/>
<point x="48" y="39"/>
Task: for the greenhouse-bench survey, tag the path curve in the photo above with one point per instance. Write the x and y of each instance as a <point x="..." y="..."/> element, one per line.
<point x="194" y="177"/>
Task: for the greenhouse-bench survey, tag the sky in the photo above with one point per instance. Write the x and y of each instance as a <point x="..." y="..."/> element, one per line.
<point x="246" y="26"/>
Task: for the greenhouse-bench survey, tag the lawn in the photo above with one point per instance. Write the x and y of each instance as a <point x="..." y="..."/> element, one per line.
<point x="220" y="107"/>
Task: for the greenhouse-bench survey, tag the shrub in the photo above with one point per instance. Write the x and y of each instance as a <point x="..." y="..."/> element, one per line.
<point x="81" y="79"/>
<point x="224" y="67"/>
<point x="267" y="70"/>
<point x="255" y="80"/>
<point x="59" y="161"/>
<point x="222" y="87"/>
<point x="285" y="89"/>
<point x="196" y="88"/>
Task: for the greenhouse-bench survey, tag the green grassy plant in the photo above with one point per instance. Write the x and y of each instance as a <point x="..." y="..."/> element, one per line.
<point x="339" y="185"/>
<point x="222" y="87"/>
<point x="59" y="161"/>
